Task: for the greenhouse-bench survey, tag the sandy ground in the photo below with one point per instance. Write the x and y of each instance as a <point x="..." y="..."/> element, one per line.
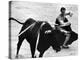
<point x="26" y="53"/>
<point x="40" y="11"/>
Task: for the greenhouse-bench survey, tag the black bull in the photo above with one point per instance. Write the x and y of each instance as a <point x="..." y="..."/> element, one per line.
<point x="55" y="38"/>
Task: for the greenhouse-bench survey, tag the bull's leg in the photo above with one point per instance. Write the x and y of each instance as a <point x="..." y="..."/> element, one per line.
<point x="32" y="46"/>
<point x="41" y="54"/>
<point x="19" y="45"/>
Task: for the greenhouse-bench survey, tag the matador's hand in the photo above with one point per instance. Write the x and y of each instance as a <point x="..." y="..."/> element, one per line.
<point x="70" y="14"/>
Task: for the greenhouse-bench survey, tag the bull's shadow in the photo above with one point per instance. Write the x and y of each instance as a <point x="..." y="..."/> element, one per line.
<point x="54" y="38"/>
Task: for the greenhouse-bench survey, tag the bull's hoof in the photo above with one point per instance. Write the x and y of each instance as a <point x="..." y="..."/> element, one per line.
<point x="33" y="56"/>
<point x="58" y="50"/>
<point x="16" y="56"/>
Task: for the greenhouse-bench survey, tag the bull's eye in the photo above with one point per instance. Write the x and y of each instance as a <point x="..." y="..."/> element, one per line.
<point x="47" y="31"/>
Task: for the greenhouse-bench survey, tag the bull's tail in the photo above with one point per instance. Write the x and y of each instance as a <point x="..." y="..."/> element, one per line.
<point x="11" y="18"/>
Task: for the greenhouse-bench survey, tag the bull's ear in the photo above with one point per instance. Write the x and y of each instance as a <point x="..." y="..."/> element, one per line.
<point x="47" y="31"/>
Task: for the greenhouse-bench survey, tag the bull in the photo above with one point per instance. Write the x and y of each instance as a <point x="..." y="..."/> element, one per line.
<point x="41" y="35"/>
